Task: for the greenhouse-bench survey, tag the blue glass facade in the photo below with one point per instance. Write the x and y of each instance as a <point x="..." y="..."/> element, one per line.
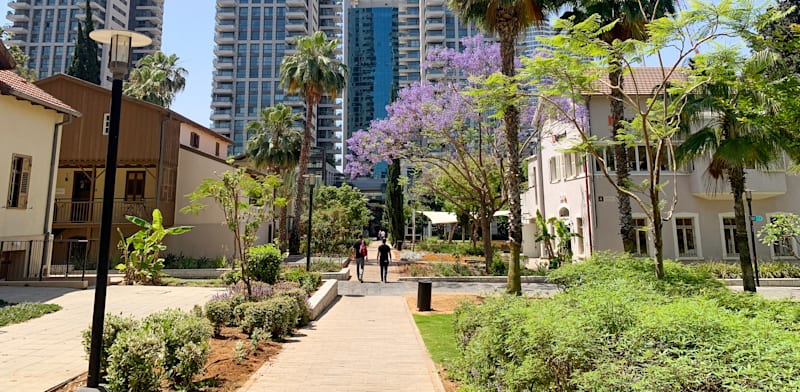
<point x="373" y="58"/>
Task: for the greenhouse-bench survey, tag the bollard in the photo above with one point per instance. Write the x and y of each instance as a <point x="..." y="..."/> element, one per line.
<point x="424" y="295"/>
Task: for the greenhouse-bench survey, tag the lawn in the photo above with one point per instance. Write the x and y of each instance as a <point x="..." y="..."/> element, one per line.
<point x="15" y="314"/>
<point x="437" y="332"/>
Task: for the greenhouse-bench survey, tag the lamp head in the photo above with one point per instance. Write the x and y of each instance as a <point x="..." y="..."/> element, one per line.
<point x="122" y="42"/>
<point x="748" y="194"/>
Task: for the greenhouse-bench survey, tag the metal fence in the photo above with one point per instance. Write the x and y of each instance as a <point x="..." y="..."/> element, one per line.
<point x="22" y="260"/>
<point x="27" y="259"/>
<point x="69" y="211"/>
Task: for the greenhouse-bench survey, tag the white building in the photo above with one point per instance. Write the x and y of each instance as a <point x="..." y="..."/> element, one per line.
<point x="31" y="134"/>
<point x="702" y="227"/>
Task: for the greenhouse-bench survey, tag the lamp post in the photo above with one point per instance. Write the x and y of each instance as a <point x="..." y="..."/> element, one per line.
<point x="118" y="63"/>
<point x="749" y="195"/>
<point x="311" y="178"/>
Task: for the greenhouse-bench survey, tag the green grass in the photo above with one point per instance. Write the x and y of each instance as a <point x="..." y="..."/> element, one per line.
<point x="437" y="332"/>
<point x="168" y="281"/>
<point x="15" y="314"/>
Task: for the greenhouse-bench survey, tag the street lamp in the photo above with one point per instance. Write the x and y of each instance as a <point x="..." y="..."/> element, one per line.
<point x="118" y="63"/>
<point x="312" y="179"/>
<point x="749" y="195"/>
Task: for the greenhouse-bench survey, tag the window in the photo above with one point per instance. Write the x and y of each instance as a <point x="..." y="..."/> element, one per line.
<point x="134" y="185"/>
<point x="216" y="149"/>
<point x="106" y="123"/>
<point x="731" y="248"/>
<point x="554" y="172"/>
<point x="640" y="225"/>
<point x="19" y="182"/>
<point x="783" y="248"/>
<point x="569" y="166"/>
<point x="685" y="237"/>
<point x="194" y="140"/>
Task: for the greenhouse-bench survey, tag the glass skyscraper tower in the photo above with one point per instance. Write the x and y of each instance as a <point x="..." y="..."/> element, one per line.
<point x="46" y="29"/>
<point x="373" y="58"/>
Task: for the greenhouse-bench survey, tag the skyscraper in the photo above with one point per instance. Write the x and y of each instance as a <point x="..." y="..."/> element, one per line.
<point x="46" y="29"/>
<point x="373" y="60"/>
<point x="252" y="38"/>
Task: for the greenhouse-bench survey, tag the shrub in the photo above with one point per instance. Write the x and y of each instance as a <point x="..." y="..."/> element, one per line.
<point x="264" y="263"/>
<point x="326" y="265"/>
<point x="258" y="290"/>
<point x="779" y="269"/>
<point x="134" y="362"/>
<point x="177" y="330"/>
<point x="451" y="269"/>
<point x="308" y="280"/>
<point x="419" y="270"/>
<point x="180" y="261"/>
<point x="617" y="328"/>
<point x="113" y="325"/>
<point x="276" y="315"/>
<point x="232" y="277"/>
<point x="220" y="313"/>
<point x="300" y="298"/>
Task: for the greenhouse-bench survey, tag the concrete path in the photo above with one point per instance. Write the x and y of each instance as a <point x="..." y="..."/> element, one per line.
<point x="41" y="353"/>
<point x="360" y="344"/>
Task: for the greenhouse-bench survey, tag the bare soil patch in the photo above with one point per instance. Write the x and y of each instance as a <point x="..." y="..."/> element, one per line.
<point x="443" y="303"/>
<point x="224" y="371"/>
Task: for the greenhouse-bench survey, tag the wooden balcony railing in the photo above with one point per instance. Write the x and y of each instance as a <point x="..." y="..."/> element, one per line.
<point x="69" y="211"/>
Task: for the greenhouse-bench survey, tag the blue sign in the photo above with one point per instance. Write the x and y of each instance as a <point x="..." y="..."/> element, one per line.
<point x="758" y="218"/>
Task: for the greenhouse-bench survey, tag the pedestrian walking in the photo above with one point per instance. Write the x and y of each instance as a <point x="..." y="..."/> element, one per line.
<point x="360" y="255"/>
<point x="384" y="257"/>
<point x="381" y="235"/>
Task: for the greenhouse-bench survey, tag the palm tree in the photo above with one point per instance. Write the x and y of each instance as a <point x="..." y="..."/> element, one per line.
<point x="156" y="79"/>
<point x="507" y="18"/>
<point x="732" y="139"/>
<point x="311" y="72"/>
<point x="632" y="17"/>
<point x="275" y="145"/>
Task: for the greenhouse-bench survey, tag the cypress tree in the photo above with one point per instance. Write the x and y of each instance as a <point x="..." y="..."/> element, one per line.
<point x="394" y="204"/>
<point x="85" y="61"/>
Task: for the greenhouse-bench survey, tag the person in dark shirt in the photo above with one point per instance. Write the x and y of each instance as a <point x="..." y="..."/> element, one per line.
<point x="359" y="258"/>
<point x="384" y="257"/>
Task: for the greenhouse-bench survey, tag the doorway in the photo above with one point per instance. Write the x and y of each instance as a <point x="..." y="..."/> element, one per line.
<point x="81" y="197"/>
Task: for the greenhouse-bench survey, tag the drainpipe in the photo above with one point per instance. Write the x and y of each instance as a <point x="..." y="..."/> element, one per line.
<point x="161" y="159"/>
<point x="48" y="222"/>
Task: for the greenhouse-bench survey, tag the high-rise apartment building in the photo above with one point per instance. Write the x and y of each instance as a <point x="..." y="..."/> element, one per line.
<point x="373" y="60"/>
<point x="46" y="29"/>
<point x="252" y="38"/>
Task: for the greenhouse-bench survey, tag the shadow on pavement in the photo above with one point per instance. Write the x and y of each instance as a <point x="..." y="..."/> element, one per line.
<point x="32" y="294"/>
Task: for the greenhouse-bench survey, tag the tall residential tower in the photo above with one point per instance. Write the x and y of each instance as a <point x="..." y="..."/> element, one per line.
<point x="252" y="38"/>
<point x="46" y="29"/>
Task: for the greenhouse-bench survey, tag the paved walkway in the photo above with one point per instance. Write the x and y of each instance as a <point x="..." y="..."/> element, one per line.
<point x="360" y="344"/>
<point x="41" y="353"/>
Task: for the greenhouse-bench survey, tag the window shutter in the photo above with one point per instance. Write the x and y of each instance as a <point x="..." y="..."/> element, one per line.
<point x="24" y="182"/>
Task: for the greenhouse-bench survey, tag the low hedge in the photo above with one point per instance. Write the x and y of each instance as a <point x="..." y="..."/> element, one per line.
<point x="770" y="269"/>
<point x="617" y="328"/>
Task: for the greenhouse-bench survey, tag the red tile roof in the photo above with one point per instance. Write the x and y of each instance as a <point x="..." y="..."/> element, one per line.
<point x="641" y="81"/>
<point x="14" y="85"/>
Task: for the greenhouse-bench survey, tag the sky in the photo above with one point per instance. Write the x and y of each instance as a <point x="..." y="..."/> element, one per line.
<point x="188" y="33"/>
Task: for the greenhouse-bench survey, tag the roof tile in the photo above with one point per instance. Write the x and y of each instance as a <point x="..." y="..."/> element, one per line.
<point x="13" y="84"/>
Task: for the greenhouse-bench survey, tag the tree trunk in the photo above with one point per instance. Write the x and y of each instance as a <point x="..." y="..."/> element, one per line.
<point x="508" y="37"/>
<point x="658" y="235"/>
<point x="737" y="181"/>
<point x="283" y="232"/>
<point x="626" y="229"/>
<point x="488" y="252"/>
<point x="302" y="169"/>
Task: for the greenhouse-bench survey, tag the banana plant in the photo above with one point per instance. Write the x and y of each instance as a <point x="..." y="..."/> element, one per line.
<point x="141" y="251"/>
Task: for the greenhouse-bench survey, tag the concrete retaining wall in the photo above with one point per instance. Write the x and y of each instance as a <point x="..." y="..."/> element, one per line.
<point x="324" y="297"/>
<point x="344" y="274"/>
<point x="476" y="279"/>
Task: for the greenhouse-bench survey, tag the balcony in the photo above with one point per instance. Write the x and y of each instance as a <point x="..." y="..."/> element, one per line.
<point x="764" y="185"/>
<point x="74" y="212"/>
<point x="18" y="16"/>
<point x="19" y="5"/>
